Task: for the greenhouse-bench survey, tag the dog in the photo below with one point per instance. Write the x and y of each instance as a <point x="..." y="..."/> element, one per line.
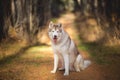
<point x="65" y="50"/>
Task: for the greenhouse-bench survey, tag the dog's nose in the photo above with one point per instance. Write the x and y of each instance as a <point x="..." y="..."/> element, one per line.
<point x="55" y="36"/>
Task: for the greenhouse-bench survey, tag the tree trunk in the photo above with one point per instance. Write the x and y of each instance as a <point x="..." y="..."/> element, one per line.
<point x="4" y="18"/>
<point x="2" y="35"/>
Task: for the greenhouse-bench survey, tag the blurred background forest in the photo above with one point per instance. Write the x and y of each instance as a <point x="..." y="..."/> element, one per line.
<point x="24" y="19"/>
<point x="93" y="24"/>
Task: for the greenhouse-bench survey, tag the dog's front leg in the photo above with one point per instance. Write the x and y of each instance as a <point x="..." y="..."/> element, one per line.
<point x="66" y="60"/>
<point x="55" y="63"/>
<point x="62" y="63"/>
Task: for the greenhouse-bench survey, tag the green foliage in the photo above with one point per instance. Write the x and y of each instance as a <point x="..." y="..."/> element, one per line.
<point x="54" y="19"/>
<point x="100" y="53"/>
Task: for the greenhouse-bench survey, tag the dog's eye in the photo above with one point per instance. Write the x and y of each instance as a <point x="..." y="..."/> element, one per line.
<point x="58" y="31"/>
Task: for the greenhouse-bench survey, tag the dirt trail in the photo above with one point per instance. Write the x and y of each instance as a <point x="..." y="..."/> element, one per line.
<point x="37" y="62"/>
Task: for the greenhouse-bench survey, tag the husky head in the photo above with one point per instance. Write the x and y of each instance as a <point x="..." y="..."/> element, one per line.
<point x="55" y="32"/>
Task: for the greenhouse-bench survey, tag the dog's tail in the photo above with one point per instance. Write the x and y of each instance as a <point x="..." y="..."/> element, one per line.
<point x="83" y="63"/>
<point x="86" y="63"/>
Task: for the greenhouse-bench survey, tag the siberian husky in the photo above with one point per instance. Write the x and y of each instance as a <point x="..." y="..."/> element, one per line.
<point x="65" y="50"/>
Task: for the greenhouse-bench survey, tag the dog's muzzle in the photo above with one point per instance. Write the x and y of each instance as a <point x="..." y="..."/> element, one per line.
<point x="55" y="38"/>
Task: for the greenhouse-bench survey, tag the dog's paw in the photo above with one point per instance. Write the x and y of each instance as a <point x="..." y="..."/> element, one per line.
<point x="82" y="68"/>
<point x="66" y="74"/>
<point x="53" y="71"/>
<point x="61" y="69"/>
<point x="78" y="70"/>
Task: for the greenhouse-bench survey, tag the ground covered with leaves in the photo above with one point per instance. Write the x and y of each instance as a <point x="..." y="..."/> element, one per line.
<point x="18" y="62"/>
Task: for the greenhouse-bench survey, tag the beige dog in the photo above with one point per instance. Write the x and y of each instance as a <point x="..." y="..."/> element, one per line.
<point x="65" y="50"/>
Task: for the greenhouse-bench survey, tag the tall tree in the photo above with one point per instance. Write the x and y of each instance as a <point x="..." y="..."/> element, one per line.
<point x="4" y="18"/>
<point x="26" y="16"/>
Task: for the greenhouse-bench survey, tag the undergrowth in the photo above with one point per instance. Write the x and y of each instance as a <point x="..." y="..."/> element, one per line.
<point x="101" y="54"/>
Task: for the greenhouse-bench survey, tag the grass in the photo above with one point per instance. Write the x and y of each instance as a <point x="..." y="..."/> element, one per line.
<point x="9" y="48"/>
<point x="25" y="62"/>
<point x="13" y="50"/>
<point x="100" y="53"/>
<point x="54" y="19"/>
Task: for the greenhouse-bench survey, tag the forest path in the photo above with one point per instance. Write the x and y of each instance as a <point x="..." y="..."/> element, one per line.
<point x="36" y="62"/>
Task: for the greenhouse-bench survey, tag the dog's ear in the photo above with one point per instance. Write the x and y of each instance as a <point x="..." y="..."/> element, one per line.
<point x="50" y="24"/>
<point x="59" y="25"/>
